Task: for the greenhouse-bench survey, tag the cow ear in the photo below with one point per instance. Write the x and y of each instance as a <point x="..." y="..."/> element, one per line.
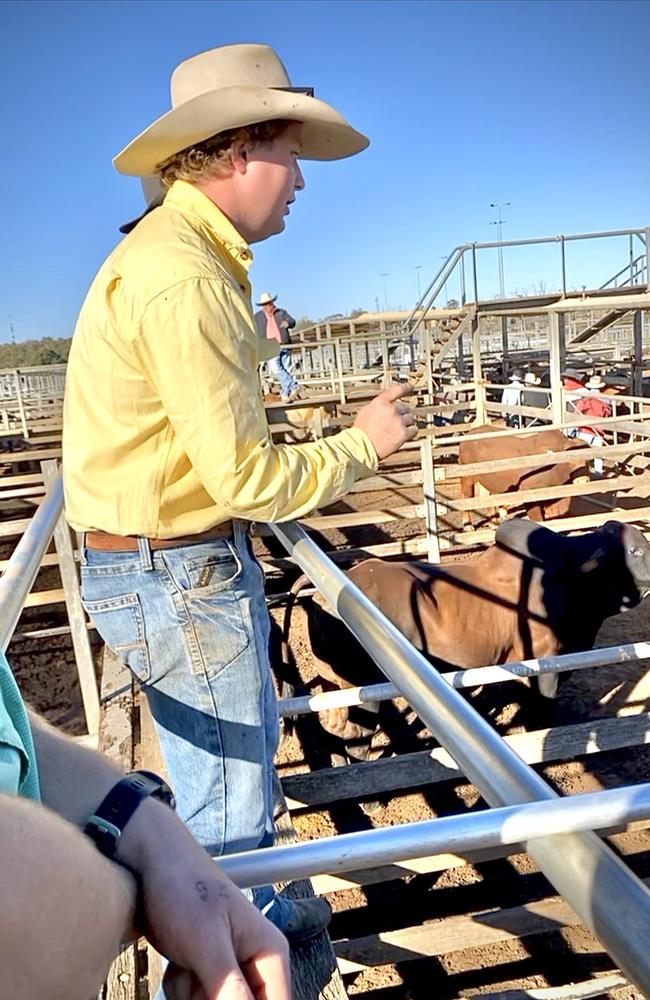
<point x="613" y="528"/>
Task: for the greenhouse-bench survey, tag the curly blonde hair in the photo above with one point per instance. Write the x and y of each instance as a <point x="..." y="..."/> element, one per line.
<point x="213" y="156"/>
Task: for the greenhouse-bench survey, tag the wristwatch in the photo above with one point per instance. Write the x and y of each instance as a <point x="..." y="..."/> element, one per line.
<point x="106" y="824"/>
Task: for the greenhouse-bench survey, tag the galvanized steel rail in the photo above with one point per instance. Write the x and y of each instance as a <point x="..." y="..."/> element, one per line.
<point x="471" y="677"/>
<point x="20" y="573"/>
<point x="602" y="890"/>
<point x="508" y="825"/>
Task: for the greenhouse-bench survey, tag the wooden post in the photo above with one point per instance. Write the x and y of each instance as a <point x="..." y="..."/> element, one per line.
<point x="556" y="343"/>
<point x="429" y="494"/>
<point x="21" y="405"/>
<point x="504" y="345"/>
<point x="116" y="742"/>
<point x="76" y="613"/>
<point x="477" y="369"/>
<point x="637" y="364"/>
<point x="339" y="368"/>
<point x="427" y="361"/>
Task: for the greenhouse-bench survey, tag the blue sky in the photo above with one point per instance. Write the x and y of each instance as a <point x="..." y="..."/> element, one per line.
<point x="542" y="104"/>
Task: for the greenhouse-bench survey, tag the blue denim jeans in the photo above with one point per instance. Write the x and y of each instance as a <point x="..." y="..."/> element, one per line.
<point x="192" y="625"/>
<point x="281" y="369"/>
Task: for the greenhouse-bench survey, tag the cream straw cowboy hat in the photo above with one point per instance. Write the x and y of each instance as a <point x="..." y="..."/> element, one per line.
<point x="227" y="88"/>
<point x="265" y="298"/>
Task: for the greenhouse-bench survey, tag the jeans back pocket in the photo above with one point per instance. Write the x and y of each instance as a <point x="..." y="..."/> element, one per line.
<point x="120" y="623"/>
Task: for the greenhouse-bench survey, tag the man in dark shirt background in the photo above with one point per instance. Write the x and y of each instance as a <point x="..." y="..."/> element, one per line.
<point x="274" y="324"/>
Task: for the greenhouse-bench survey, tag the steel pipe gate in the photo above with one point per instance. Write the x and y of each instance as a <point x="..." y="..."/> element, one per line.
<point x="602" y="890"/>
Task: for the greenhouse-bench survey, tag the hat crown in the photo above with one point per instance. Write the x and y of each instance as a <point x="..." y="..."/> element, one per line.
<point x="227" y="66"/>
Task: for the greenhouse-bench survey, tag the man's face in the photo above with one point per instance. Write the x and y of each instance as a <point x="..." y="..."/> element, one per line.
<point x="269" y="185"/>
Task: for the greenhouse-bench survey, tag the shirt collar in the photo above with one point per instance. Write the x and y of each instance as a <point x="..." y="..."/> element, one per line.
<point x="218" y="228"/>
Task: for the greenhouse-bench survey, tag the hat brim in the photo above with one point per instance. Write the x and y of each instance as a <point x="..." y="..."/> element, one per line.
<point x="126" y="227"/>
<point x="326" y="135"/>
<point x="267" y="303"/>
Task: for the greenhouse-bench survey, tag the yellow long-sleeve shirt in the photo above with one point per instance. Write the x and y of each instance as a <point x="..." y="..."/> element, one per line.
<point x="164" y="429"/>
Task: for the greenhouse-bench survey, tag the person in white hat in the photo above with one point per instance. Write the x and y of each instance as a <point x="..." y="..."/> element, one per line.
<point x="534" y="397"/>
<point x="511" y="396"/>
<point x="592" y="404"/>
<point x="167" y="455"/>
<point x="274" y="324"/>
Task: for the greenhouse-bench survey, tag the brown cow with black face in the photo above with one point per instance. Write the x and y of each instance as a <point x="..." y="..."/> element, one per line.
<point x="473" y="450"/>
<point x="533" y="593"/>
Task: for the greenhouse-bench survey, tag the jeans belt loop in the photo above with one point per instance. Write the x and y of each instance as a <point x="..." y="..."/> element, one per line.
<point x="146" y="559"/>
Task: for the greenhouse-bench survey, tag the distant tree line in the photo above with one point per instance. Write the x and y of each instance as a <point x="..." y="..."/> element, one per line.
<point x="29" y="353"/>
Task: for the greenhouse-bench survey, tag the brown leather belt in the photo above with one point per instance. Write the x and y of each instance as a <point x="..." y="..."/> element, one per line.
<point x="106" y="542"/>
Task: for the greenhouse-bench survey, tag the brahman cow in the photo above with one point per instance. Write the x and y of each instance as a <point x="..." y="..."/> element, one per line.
<point x="473" y="450"/>
<point x="533" y="593"/>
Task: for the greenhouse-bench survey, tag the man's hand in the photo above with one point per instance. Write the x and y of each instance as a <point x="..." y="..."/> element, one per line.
<point x="387" y="421"/>
<point x="220" y="946"/>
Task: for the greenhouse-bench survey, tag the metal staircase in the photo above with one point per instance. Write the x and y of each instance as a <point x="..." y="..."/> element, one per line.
<point x="451" y="329"/>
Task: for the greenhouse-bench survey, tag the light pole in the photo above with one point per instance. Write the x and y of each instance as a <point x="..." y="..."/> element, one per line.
<point x="417" y="268"/>
<point x="498" y="222"/>
<point x="384" y="275"/>
<point x="444" y="257"/>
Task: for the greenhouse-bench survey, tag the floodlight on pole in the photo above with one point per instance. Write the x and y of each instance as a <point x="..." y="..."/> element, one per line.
<point x="499" y="222"/>
<point x="384" y="275"/>
<point x="444" y="257"/>
<point x="417" y="268"/>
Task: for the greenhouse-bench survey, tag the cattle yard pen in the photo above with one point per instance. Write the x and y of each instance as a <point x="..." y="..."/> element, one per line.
<point x="411" y="507"/>
<point x="490" y="762"/>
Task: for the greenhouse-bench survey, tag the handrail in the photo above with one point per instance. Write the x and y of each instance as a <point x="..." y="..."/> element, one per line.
<point x="458" y="834"/>
<point x="20" y="573"/>
<point x="471" y="677"/>
<point x="457" y="255"/>
<point x="607" y="896"/>
<point x="635" y="268"/>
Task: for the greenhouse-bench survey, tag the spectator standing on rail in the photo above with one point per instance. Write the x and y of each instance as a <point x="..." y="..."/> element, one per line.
<point x="66" y="906"/>
<point x="511" y="396"/>
<point x="534" y="397"/>
<point x="574" y="387"/>
<point x="274" y="324"/>
<point x="167" y="455"/>
<point x="593" y="405"/>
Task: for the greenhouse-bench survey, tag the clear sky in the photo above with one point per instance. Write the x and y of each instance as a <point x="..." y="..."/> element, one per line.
<point x="541" y="104"/>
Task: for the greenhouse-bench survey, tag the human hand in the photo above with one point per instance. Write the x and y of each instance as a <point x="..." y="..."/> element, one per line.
<point x="387" y="421"/>
<point x="220" y="947"/>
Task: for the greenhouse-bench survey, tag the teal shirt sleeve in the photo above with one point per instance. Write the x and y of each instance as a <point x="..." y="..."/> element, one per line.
<point x="18" y="767"/>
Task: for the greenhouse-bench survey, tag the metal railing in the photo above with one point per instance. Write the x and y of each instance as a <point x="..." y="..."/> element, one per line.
<point x="468" y="252"/>
<point x="19" y="574"/>
<point x="607" y="896"/>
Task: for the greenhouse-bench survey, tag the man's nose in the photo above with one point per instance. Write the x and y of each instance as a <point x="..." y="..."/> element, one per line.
<point x="300" y="180"/>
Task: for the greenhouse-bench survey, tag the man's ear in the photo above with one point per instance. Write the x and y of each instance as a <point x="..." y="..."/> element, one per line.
<point x="239" y="157"/>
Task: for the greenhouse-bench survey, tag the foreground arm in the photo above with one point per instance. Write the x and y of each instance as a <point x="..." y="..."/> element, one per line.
<point x="189" y="910"/>
<point x="65" y="907"/>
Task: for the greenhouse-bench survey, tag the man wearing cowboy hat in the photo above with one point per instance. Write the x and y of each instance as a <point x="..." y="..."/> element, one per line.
<point x="593" y="405"/>
<point x="511" y="396"/>
<point x="167" y="453"/>
<point x="533" y="396"/>
<point x="274" y="324"/>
